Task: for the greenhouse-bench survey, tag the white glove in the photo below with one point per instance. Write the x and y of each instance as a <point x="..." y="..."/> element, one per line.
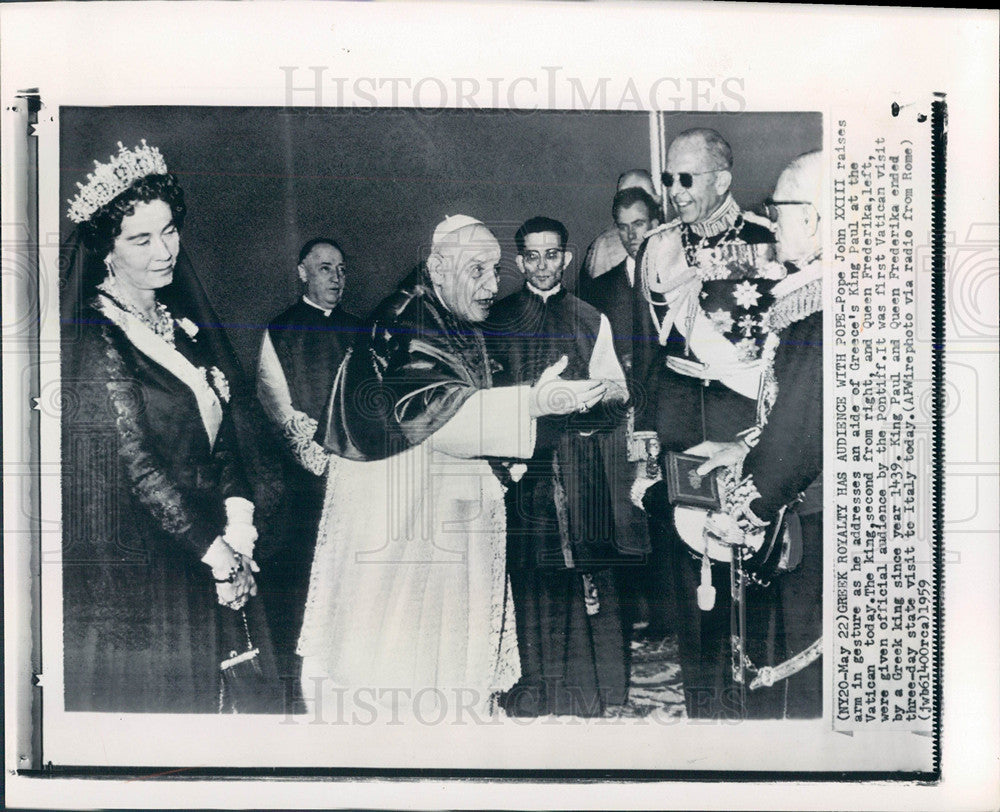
<point x="239" y="510"/>
<point x="234" y="583"/>
<point x="221" y="558"/>
<point x="724" y="528"/>
<point x="240" y="533"/>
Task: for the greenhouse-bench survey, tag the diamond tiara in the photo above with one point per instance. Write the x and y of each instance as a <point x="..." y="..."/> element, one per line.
<point x="109" y="180"/>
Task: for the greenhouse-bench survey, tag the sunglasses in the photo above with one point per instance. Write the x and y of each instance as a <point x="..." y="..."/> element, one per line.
<point x="686" y="178"/>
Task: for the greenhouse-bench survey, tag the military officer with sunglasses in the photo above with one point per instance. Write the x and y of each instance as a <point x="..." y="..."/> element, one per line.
<point x="704" y="290"/>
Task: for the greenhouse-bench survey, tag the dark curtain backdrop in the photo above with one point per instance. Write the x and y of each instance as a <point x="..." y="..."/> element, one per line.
<point x="261" y="181"/>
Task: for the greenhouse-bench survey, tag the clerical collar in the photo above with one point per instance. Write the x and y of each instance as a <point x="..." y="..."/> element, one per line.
<point x="326" y="311"/>
<point x="544" y="294"/>
<point x="721" y="220"/>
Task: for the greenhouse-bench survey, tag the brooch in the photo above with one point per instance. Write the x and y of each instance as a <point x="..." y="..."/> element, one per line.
<point x="220" y="383"/>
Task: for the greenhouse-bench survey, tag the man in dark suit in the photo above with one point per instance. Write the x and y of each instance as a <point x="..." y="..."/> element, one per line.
<point x="606" y="251"/>
<point x="634" y="213"/>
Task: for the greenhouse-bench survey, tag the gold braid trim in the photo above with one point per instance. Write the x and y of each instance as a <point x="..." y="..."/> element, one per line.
<point x="722" y="219"/>
<point x="739" y="493"/>
<point x="797" y="305"/>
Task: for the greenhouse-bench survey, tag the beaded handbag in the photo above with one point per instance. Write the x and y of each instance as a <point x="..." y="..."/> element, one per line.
<point x="243" y="688"/>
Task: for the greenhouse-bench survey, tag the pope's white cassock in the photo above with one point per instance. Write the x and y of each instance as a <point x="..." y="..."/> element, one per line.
<point x="409" y="607"/>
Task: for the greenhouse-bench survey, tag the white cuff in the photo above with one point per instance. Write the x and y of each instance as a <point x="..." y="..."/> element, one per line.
<point x="491" y="423"/>
<point x="239" y="510"/>
<point x="240" y="532"/>
<point x="219" y="557"/>
<point x="527" y="425"/>
<point x="639" y="488"/>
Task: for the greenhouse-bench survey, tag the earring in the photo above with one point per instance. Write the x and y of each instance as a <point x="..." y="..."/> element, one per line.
<point x="108" y="265"/>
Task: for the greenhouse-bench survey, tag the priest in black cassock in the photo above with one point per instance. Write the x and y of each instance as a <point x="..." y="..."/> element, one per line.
<point x="300" y="353"/>
<point x="560" y="525"/>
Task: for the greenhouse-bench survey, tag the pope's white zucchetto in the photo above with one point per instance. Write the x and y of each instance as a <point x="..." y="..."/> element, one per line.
<point x="449" y="225"/>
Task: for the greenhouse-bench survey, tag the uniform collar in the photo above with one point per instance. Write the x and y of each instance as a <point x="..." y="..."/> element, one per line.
<point x="720" y="221"/>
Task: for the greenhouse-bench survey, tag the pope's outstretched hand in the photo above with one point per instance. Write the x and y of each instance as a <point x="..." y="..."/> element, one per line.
<point x="554" y="395"/>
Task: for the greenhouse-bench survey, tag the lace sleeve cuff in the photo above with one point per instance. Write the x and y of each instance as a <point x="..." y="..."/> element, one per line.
<point x="299" y="431"/>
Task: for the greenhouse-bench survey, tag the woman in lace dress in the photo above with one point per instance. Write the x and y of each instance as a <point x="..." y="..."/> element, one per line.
<point x="158" y="526"/>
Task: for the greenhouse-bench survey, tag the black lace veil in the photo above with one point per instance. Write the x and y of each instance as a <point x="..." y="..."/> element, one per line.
<point x="80" y="273"/>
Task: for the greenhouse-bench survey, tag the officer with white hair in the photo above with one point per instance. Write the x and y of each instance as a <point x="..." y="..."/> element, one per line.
<point x="782" y="470"/>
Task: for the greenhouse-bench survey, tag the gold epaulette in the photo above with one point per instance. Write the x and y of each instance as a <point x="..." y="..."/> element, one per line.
<point x="757" y="219"/>
<point x="796" y="305"/>
<point x="663" y="227"/>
